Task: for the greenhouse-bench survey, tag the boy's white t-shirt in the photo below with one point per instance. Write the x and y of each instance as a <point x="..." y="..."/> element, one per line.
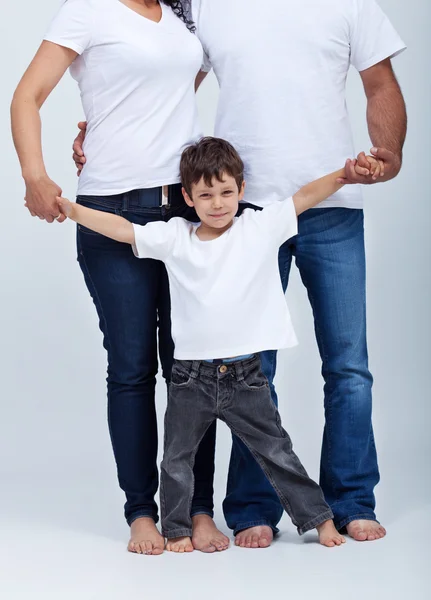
<point x="282" y="68"/>
<point x="136" y="79"/>
<point x="226" y="294"/>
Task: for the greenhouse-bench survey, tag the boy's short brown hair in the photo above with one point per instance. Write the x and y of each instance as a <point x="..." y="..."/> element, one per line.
<point x="210" y="158"/>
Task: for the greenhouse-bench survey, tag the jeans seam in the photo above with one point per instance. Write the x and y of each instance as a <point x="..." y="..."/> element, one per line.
<point x="267" y="473"/>
<point x="139" y="515"/>
<point x="96" y="297"/>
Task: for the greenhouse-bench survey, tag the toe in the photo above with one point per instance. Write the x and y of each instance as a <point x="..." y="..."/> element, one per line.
<point x="248" y="542"/>
<point x="264" y="542"/>
<point x="255" y="541"/>
<point x="148" y="548"/>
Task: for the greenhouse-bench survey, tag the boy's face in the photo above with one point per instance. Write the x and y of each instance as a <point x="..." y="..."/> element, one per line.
<point x="216" y="205"/>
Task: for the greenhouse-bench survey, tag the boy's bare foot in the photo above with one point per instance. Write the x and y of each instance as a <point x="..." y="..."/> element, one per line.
<point x="328" y="535"/>
<point x="181" y="545"/>
<point x="145" y="537"/>
<point x="365" y="531"/>
<point x="255" y="537"/>
<point x="206" y="536"/>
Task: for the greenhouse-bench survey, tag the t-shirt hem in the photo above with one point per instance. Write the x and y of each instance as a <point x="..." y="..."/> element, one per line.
<point x="65" y="43"/>
<point x="379" y="57"/>
<point x="232" y="352"/>
<point x="137" y="186"/>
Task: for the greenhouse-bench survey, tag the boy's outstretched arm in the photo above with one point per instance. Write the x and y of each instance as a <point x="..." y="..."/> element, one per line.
<point x="111" y="226"/>
<point x="317" y="191"/>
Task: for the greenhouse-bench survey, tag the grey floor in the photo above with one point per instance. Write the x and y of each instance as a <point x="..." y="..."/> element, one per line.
<point x="57" y="541"/>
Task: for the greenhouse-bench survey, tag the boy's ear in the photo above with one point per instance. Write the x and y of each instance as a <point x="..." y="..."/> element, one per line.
<point x="187" y="198"/>
<point x="241" y="191"/>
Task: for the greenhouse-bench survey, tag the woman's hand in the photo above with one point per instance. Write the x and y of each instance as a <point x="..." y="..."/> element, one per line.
<point x="40" y="199"/>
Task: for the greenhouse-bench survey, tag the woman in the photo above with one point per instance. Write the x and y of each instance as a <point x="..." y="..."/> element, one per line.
<point x="135" y="62"/>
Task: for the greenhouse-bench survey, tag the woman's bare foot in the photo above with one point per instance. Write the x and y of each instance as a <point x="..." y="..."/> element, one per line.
<point x="328" y="535"/>
<point x="145" y="537"/>
<point x="206" y="536"/>
<point x="365" y="531"/>
<point x="181" y="545"/>
<point x="255" y="537"/>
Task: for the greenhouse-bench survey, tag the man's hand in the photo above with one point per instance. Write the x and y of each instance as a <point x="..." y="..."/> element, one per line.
<point x="360" y="170"/>
<point x="40" y="199"/>
<point x="78" y="153"/>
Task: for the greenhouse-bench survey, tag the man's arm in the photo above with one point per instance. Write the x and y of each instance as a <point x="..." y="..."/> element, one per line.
<point x="111" y="226"/>
<point x="387" y="121"/>
<point x="317" y="191"/>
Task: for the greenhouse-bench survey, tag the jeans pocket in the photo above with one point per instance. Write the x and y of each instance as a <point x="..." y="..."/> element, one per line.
<point x="255" y="380"/>
<point x="180" y="377"/>
<point x="87" y="231"/>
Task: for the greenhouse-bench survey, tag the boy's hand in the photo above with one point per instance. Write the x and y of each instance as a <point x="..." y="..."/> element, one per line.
<point x="364" y="169"/>
<point x="65" y="206"/>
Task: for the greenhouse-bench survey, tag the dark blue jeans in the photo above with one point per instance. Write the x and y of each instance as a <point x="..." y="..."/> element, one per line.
<point x="133" y="304"/>
<point x="330" y="256"/>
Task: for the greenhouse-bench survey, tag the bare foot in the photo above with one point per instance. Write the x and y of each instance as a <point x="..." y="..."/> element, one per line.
<point x="145" y="537"/>
<point x="255" y="537"/>
<point x="328" y="535"/>
<point x="181" y="545"/>
<point x="206" y="536"/>
<point x="365" y="531"/>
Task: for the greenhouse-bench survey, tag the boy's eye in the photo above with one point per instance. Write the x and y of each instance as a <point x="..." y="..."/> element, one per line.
<point x="227" y="192"/>
<point x="204" y="196"/>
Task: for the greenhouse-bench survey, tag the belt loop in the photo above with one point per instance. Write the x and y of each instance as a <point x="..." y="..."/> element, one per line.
<point x="126" y="199"/>
<point x="195" y="368"/>
<point x="239" y="371"/>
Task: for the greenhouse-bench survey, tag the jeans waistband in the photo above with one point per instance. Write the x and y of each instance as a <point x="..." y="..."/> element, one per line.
<point x="221" y="361"/>
<point x="151" y="198"/>
<point x="239" y="368"/>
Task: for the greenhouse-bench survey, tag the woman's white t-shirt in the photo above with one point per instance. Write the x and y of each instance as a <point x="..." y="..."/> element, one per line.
<point x="226" y="294"/>
<point x="282" y="67"/>
<point x="136" y="79"/>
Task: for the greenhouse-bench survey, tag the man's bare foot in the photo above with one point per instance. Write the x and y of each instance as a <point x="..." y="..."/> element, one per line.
<point x="255" y="537"/>
<point x="181" y="545"/>
<point x="206" y="536"/>
<point x="145" y="537"/>
<point x="365" y="531"/>
<point x="328" y="535"/>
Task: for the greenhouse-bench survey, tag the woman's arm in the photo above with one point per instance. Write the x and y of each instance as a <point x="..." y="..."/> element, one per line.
<point x="41" y="77"/>
<point x="111" y="226"/>
<point x="317" y="191"/>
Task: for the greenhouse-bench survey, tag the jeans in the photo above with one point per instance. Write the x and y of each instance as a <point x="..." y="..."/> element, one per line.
<point x="133" y="304"/>
<point x="329" y="253"/>
<point x="237" y="393"/>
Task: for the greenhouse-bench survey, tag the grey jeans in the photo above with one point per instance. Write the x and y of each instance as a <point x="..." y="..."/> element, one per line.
<point x="238" y="394"/>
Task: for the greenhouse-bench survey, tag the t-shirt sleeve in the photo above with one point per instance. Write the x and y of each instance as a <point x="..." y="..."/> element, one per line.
<point x="155" y="240"/>
<point x="373" y="37"/>
<point x="196" y="15"/>
<point x="278" y="221"/>
<point x="72" y="26"/>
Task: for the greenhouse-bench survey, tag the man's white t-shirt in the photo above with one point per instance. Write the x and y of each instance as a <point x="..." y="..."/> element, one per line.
<point x="282" y="68"/>
<point x="226" y="294"/>
<point x="136" y="79"/>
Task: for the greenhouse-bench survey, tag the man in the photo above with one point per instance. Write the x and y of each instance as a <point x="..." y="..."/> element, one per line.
<point x="282" y="68"/>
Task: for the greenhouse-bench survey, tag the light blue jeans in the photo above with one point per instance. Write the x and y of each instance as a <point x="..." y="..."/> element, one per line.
<point x="329" y="253"/>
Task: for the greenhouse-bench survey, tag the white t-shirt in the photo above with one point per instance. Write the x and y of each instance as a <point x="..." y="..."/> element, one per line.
<point x="136" y="79"/>
<point x="226" y="294"/>
<point x="282" y="68"/>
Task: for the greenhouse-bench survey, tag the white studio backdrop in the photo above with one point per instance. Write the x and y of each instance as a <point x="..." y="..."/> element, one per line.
<point x="53" y="431"/>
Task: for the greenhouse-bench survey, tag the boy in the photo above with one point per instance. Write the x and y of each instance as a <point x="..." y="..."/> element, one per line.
<point x="222" y="271"/>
